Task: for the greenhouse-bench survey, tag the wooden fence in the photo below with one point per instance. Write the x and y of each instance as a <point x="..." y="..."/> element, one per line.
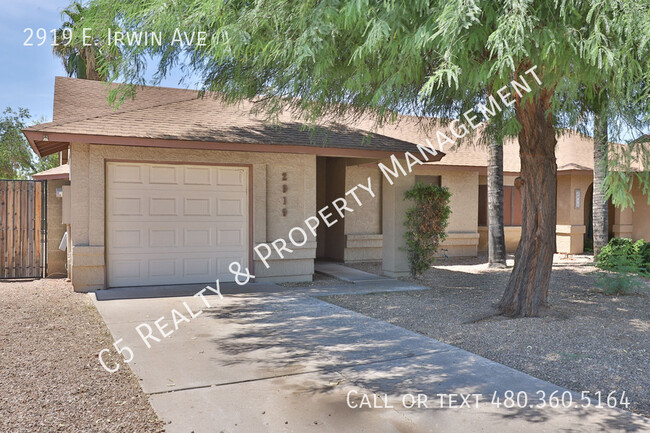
<point x="23" y="229"/>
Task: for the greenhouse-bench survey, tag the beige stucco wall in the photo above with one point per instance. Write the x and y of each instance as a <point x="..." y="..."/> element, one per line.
<point x="394" y="257"/>
<point x="508" y="180"/>
<point x="511" y="233"/>
<point x="87" y="166"/>
<point x="635" y="223"/>
<point x="382" y="221"/>
<point x="571" y="227"/>
<point x="462" y="234"/>
<point x="56" y="259"/>
<point x="462" y="231"/>
<point x="640" y="215"/>
<point x="321" y="201"/>
<point x="623" y="223"/>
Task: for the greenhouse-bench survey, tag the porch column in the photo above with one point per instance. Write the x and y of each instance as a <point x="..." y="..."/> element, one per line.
<point x="395" y="259"/>
<point x="571" y="227"/>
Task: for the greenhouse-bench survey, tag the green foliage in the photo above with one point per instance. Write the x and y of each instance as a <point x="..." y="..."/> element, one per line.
<point x="81" y="60"/>
<point x="17" y="160"/>
<point x="438" y="58"/>
<point x="644" y="252"/>
<point x="623" y="260"/>
<point x="623" y="251"/>
<point x="15" y="154"/>
<point x="46" y="163"/>
<point x="618" y="282"/>
<point x="435" y="58"/>
<point x="425" y="223"/>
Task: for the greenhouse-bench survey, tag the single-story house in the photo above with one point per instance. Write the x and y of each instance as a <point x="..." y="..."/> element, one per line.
<point x="171" y="188"/>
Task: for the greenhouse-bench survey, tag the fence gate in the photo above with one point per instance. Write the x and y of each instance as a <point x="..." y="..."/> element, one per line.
<point x="23" y="229"/>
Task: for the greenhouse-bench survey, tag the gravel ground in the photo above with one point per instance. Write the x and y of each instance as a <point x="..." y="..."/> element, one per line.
<point x="585" y="341"/>
<point x="51" y="378"/>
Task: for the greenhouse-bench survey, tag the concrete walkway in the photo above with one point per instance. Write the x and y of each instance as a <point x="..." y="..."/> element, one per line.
<point x="270" y="359"/>
<point x="345" y="273"/>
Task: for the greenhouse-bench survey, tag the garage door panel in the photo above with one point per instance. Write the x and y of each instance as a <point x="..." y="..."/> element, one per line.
<point x="198" y="175"/>
<point x="197" y="207"/>
<point x="194" y="267"/>
<point x="127" y="206"/>
<point x="163" y="206"/>
<point x="197" y="238"/>
<point x="163" y="175"/>
<point x="126" y="173"/>
<point x="164" y="237"/>
<point x="228" y="236"/>
<point x="133" y="270"/>
<point x="231" y="235"/>
<point x="163" y="268"/>
<point x="231" y="177"/>
<point x="231" y="205"/>
<point x="127" y="269"/>
<point x="128" y="238"/>
<point x="171" y="224"/>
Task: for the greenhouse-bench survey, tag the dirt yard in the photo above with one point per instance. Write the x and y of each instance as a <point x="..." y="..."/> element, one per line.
<point x="586" y="341"/>
<point x="51" y="377"/>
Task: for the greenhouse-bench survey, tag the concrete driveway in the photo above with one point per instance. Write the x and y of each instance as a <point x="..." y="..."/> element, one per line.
<point x="270" y="359"/>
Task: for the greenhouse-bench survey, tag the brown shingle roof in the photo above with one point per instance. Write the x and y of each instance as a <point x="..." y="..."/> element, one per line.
<point x="60" y="172"/>
<point x="81" y="107"/>
<point x="573" y="151"/>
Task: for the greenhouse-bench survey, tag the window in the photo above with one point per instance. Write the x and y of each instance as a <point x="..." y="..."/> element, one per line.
<point x="511" y="206"/>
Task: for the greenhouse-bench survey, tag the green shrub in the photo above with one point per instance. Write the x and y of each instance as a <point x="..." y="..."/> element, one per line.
<point x="622" y="253"/>
<point x="644" y="251"/>
<point x="623" y="261"/>
<point x="425" y="224"/>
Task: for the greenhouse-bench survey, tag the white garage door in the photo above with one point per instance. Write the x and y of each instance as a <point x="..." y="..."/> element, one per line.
<point x="174" y="224"/>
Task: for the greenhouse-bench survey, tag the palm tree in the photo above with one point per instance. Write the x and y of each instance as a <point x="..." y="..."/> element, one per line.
<point x="496" y="236"/>
<point x="78" y="60"/>
<point x="493" y="137"/>
<point x="600" y="206"/>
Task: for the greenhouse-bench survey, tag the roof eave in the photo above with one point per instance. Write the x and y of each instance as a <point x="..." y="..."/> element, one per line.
<point x="66" y="138"/>
<point x="31" y="139"/>
<point x="59" y="176"/>
<point x="45" y="143"/>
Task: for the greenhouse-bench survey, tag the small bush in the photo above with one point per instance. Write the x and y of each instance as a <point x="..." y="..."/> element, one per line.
<point x="644" y="251"/>
<point x="622" y="252"/>
<point x="624" y="261"/>
<point x="425" y="224"/>
<point x="617" y="283"/>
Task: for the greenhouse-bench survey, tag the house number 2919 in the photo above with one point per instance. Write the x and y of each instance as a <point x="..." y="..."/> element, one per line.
<point x="285" y="188"/>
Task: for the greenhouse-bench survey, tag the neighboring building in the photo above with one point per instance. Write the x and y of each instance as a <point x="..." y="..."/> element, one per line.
<point x="171" y="188"/>
<point x="575" y="162"/>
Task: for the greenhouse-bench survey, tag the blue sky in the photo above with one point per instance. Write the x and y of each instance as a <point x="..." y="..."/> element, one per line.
<point x="27" y="72"/>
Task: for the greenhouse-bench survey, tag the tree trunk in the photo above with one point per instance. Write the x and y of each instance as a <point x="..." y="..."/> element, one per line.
<point x="600" y="205"/>
<point x="496" y="237"/>
<point x="527" y="289"/>
<point x="91" y="65"/>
